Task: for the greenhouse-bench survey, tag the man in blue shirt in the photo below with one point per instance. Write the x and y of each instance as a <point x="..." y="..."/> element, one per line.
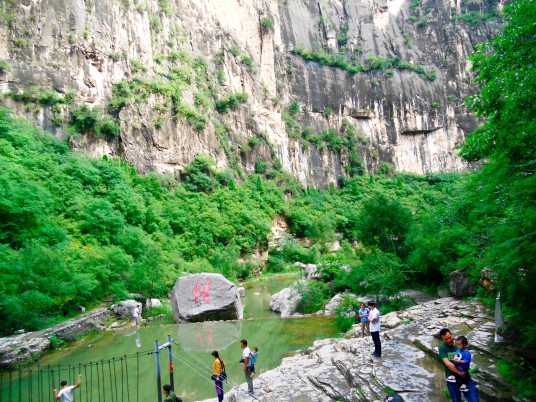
<point x="363" y="318"/>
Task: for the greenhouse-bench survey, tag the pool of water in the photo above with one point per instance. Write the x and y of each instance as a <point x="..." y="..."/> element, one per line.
<point x="134" y="378"/>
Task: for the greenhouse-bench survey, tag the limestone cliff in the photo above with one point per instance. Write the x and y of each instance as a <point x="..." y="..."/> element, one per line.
<point x="322" y="88"/>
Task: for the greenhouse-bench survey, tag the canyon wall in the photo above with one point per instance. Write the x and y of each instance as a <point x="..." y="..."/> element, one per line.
<point x="303" y="114"/>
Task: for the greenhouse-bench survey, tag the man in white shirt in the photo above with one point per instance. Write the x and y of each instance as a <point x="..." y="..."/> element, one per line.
<point x="246" y="366"/>
<point x="136" y="315"/>
<point x="66" y="393"/>
<point x="374" y="318"/>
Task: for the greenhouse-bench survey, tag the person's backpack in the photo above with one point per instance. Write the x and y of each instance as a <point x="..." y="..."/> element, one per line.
<point x="252" y="359"/>
<point x="178" y="398"/>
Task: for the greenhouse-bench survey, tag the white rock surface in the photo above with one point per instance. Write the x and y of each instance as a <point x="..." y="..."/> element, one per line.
<point x="286" y="301"/>
<point x="150" y="303"/>
<point x="342" y="369"/>
<point x="406" y="119"/>
<point x="333" y="304"/>
<point x="125" y="308"/>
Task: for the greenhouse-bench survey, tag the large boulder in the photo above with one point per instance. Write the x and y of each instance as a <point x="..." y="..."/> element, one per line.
<point x="334" y="303"/>
<point x="286" y="301"/>
<point x="20" y="348"/>
<point x="487" y="279"/>
<point x="390" y="320"/>
<point x="460" y="285"/>
<point x="126" y="308"/>
<point x="152" y="303"/>
<point x="205" y="297"/>
<point x="311" y="270"/>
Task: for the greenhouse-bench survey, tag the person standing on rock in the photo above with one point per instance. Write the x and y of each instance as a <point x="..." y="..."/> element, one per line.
<point x="363" y="313"/>
<point x="246" y="352"/>
<point x="217" y="369"/>
<point x="66" y="393"/>
<point x="447" y="352"/>
<point x="374" y="319"/>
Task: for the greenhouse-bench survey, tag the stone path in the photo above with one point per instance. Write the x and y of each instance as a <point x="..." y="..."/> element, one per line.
<point x="342" y="369"/>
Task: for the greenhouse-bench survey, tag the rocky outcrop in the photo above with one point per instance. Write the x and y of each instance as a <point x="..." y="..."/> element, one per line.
<point x="399" y="115"/>
<point x="460" y="284"/>
<point x="205" y="297"/>
<point x="342" y="369"/>
<point x="333" y="304"/>
<point x="20" y="348"/>
<point x="126" y="308"/>
<point x="286" y="300"/>
<point x="487" y="279"/>
<point x="311" y="270"/>
<point x="152" y="303"/>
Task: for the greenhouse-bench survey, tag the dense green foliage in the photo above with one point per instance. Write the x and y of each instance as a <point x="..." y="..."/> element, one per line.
<point x="502" y="219"/>
<point x="74" y="230"/>
<point x="77" y="229"/>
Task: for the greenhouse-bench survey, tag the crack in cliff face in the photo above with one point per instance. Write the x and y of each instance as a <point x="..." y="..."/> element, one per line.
<point x="411" y="122"/>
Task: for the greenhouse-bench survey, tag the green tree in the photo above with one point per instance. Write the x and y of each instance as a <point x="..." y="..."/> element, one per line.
<point x="384" y="223"/>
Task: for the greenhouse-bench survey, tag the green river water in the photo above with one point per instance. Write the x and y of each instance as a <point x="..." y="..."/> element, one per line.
<point x="276" y="338"/>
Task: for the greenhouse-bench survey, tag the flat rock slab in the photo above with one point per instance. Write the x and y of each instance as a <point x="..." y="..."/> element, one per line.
<point x="342" y="369"/>
<point x="205" y="297"/>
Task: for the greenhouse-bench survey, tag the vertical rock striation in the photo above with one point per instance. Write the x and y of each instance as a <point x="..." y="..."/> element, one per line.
<point x="412" y="117"/>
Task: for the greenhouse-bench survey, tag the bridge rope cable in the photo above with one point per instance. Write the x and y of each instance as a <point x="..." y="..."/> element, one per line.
<point x="232" y="383"/>
<point x="137" y="377"/>
<point x="103" y="382"/>
<point x="29" y="380"/>
<point x="10" y="387"/>
<point x="191" y="361"/>
<point x="122" y="382"/>
<point x="98" y="381"/>
<point x="86" y="379"/>
<point x="51" y="376"/>
<point x="200" y="374"/>
<point x="111" y="382"/>
<point x="128" y="388"/>
<point x="115" y="381"/>
<point x="20" y="387"/>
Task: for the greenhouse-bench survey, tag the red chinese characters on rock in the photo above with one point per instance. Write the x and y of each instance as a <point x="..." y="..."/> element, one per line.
<point x="202" y="292"/>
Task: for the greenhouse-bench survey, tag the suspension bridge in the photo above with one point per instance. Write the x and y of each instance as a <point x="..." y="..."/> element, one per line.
<point x="128" y="378"/>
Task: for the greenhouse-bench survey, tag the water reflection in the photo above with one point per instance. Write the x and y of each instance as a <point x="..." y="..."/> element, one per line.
<point x="208" y="336"/>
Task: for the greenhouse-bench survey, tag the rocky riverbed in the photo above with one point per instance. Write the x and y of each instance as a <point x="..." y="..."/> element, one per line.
<point x="342" y="369"/>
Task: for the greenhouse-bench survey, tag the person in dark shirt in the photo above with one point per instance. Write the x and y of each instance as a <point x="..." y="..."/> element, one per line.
<point x="447" y="353"/>
<point x="169" y="394"/>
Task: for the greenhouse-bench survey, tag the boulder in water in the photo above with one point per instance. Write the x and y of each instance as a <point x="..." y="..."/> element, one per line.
<point x="126" y="308"/>
<point x="286" y="301"/>
<point x="205" y="297"/>
<point x="151" y="303"/>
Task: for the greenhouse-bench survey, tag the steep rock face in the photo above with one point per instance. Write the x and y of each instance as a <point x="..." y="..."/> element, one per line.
<point x="400" y="116"/>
